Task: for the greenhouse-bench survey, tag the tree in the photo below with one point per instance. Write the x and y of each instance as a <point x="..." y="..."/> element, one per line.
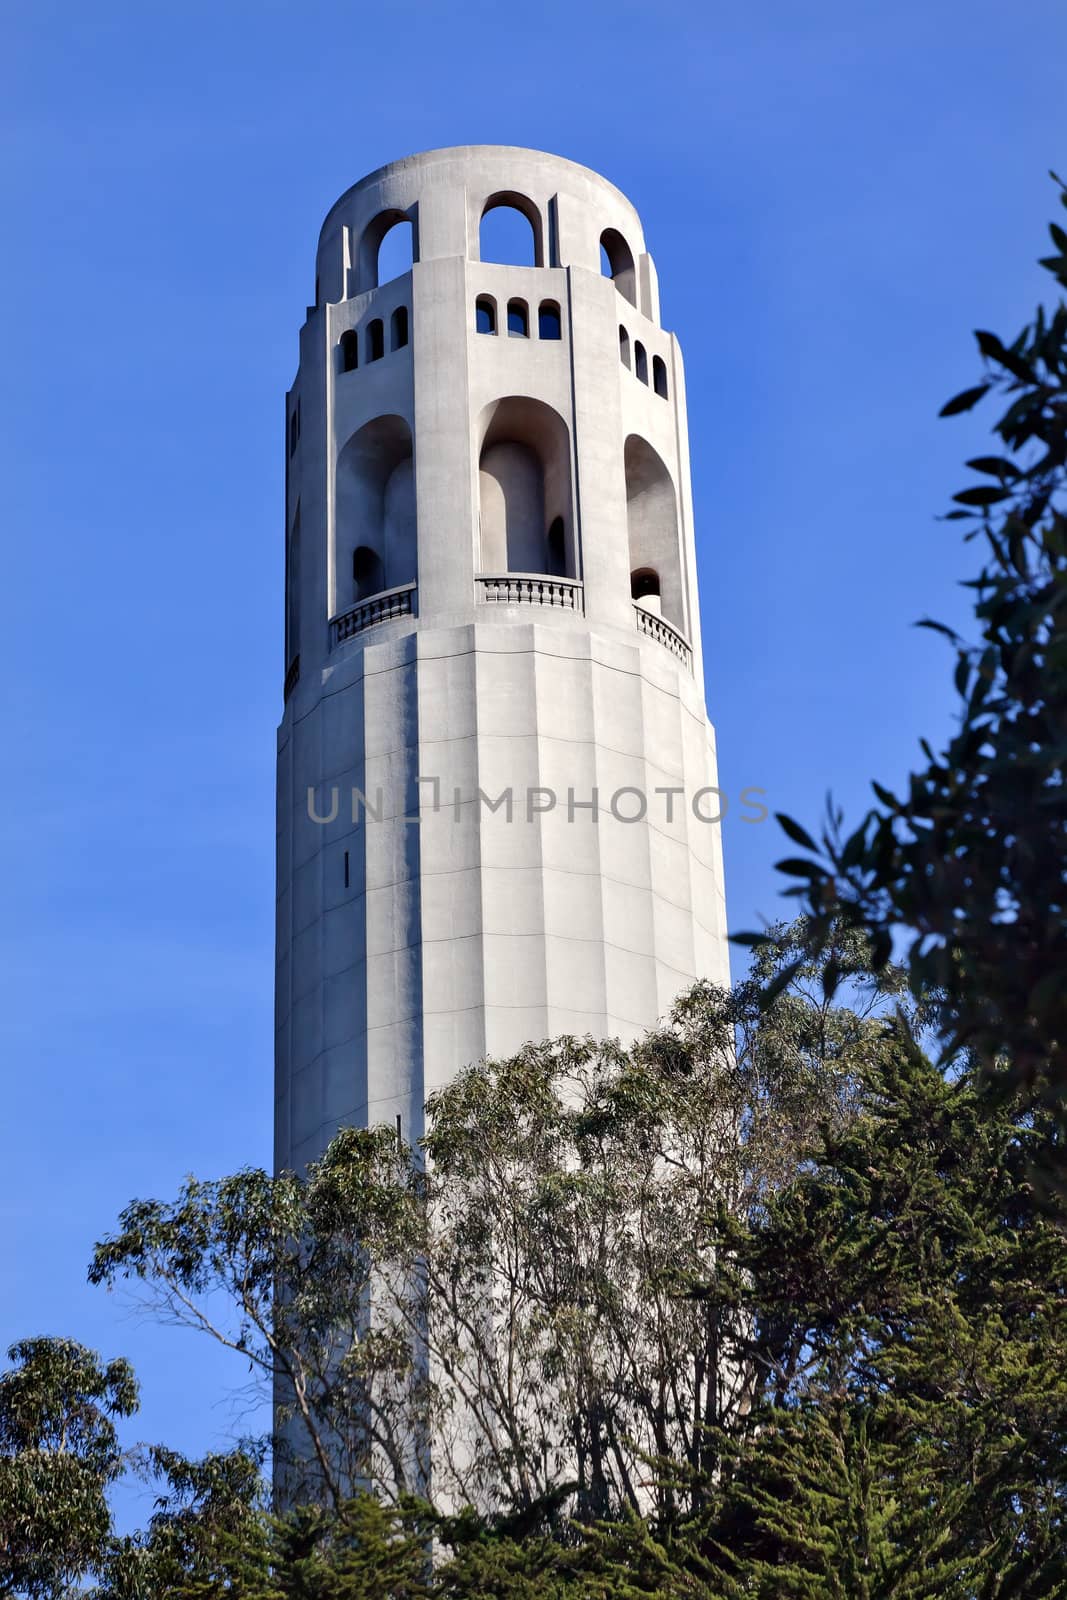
<point x="207" y="1532"/>
<point x="514" y="1303"/>
<point x="280" y="1271"/>
<point x="59" y="1452"/>
<point x="908" y="1436"/>
<point x="968" y="869"/>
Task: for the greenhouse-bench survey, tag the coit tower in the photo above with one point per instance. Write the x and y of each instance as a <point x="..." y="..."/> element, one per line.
<point x="496" y="776"/>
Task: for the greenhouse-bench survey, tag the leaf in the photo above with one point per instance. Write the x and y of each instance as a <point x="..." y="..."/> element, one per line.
<point x="796" y="868"/>
<point x="964" y="400"/>
<point x="995" y="466"/>
<point x="981" y="495"/>
<point x="939" y="627"/>
<point x="780" y="981"/>
<point x="888" y="799"/>
<point x="795" y="832"/>
<point x="994" y="350"/>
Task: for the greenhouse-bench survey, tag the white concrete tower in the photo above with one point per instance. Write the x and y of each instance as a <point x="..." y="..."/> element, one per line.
<point x="491" y="588"/>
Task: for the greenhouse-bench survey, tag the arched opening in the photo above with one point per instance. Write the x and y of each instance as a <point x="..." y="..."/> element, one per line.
<point x="374" y="512"/>
<point x="375" y="340"/>
<point x="640" y="361"/>
<point x="349" y="350"/>
<point x="624" y="346"/>
<point x="652" y="525"/>
<point x="549" y="323"/>
<point x="617" y="263"/>
<point x="518" y="319"/>
<point x="525" y="519"/>
<point x="399" y="328"/>
<point x="368" y="572"/>
<point x="396" y="252"/>
<point x="294" y="426"/>
<point x="645" y="587"/>
<point x="387" y="249"/>
<point x="485" y="314"/>
<point x="659" y="376"/>
<point x="510" y="231"/>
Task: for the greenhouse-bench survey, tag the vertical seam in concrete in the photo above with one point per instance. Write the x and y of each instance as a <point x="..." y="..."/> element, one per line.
<point x="682" y="473"/>
<point x="577" y="533"/>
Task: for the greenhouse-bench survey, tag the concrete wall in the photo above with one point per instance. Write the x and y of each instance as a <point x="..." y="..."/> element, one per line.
<point x="437" y="929"/>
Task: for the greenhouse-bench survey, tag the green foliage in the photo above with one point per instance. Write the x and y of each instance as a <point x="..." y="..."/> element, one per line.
<point x="279" y="1271"/>
<point x="765" y="1305"/>
<point x="968" y="867"/>
<point x="59" y="1452"/>
<point x="514" y="1304"/>
<point x="908" y="1292"/>
<point x="207" y="1530"/>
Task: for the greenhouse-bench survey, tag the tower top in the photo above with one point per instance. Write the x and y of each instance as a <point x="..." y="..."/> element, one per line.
<point x="452" y="161"/>
<point x="444" y="195"/>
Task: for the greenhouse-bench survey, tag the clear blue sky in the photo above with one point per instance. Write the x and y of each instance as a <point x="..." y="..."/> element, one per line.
<point x="835" y="196"/>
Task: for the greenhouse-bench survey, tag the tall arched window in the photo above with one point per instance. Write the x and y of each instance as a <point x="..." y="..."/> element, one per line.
<point x="375" y="531"/>
<point x="524" y="487"/>
<point x="659" y="376"/>
<point x="375" y="340"/>
<point x="652" y="526"/>
<point x="624" y="346"/>
<point x="510" y="231"/>
<point x="349" y="351"/>
<point x="617" y="263"/>
<point x="549" y="325"/>
<point x="640" y="361"/>
<point x="485" y="314"/>
<point x="399" y="328"/>
<point x="518" y="319"/>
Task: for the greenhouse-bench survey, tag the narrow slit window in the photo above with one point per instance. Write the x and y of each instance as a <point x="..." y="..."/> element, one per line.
<point x="348" y="884"/>
<point x="624" y="347"/>
<point x="485" y="314"/>
<point x="640" y="361"/>
<point x="294" y="428"/>
<point x="549" y="325"/>
<point x="375" y="340"/>
<point x="399" y="1131"/>
<point x="349" y="351"/>
<point x="518" y="319"/>
<point x="400" y="328"/>
<point x="659" y="376"/>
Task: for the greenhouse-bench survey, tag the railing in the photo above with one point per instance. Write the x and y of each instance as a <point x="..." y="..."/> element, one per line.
<point x="531" y="589"/>
<point x="664" y="633"/>
<point x="292" y="677"/>
<point x="398" y="602"/>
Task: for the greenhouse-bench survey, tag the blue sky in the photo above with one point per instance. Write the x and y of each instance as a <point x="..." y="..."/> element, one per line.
<point x="835" y="196"/>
